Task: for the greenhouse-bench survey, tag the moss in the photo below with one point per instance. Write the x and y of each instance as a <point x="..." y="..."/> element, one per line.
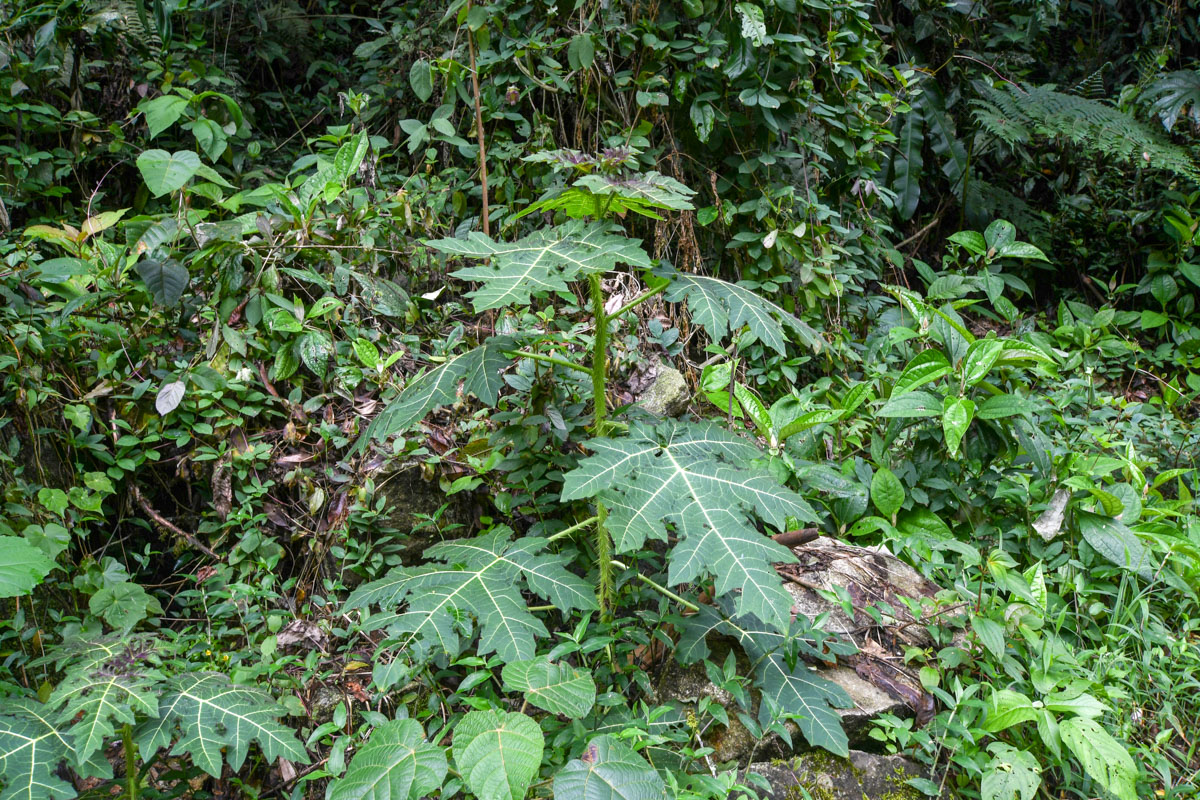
<point x="901" y="790"/>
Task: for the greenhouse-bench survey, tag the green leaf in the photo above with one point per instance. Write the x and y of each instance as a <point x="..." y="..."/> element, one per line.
<point x="981" y="356"/>
<point x="811" y="419"/>
<point x="480" y="578"/>
<point x="926" y="366"/>
<point x="31" y="750"/>
<point x="887" y="493"/>
<point x="166" y="172"/>
<point x="704" y="117"/>
<point x="581" y="52"/>
<point x="908" y="164"/>
<point x="316" y="348"/>
<point x="1116" y="542"/>
<point x="367" y="353"/>
<point x="608" y="770"/>
<point x="420" y="78"/>
<point x="478" y="370"/>
<point x="1004" y="405"/>
<point x="166" y="280"/>
<point x="123" y="605"/>
<point x="754" y="28"/>
<point x="1006" y="708"/>
<point x="214" y="716"/>
<point x="912" y="405"/>
<point x="721" y="307"/>
<point x="990" y="632"/>
<point x="1102" y="756"/>
<point x="786" y="682"/>
<point x="395" y="764"/>
<point x="557" y="688"/>
<point x="543" y="262"/>
<point x="1021" y="250"/>
<point x="22" y="566"/>
<point x="1012" y="774"/>
<point x="957" y="414"/>
<point x="699" y="480"/>
<point x="162" y="112"/>
<point x="498" y="753"/>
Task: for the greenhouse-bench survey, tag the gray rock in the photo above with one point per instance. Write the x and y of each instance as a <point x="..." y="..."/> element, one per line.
<point x="863" y="776"/>
<point x="669" y="395"/>
<point x="411" y="499"/>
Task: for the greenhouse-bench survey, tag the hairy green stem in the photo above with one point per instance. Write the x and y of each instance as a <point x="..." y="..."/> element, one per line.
<point x="133" y="786"/>
<point x="658" y="587"/>
<point x="559" y="362"/>
<point x="565" y="532"/>
<point x="637" y="301"/>
<point x="599" y="355"/>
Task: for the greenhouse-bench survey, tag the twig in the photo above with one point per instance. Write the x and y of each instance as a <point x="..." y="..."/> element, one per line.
<point x="483" y="187"/>
<point x="797" y="537"/>
<point x="169" y="526"/>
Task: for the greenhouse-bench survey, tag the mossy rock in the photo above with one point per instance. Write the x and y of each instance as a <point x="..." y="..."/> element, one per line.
<point x="862" y="776"/>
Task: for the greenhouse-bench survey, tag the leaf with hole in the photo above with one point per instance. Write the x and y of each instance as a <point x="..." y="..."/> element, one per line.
<point x="608" y="770"/>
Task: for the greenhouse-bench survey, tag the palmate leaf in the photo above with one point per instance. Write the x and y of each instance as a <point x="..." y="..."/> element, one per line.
<point x="557" y="688"/>
<point x="213" y="714"/>
<point x="395" y="764"/>
<point x="478" y="370"/>
<point x="480" y="578"/>
<point x="721" y="307"/>
<point x="787" y="683"/>
<point x="544" y="261"/>
<point x="608" y="770"/>
<point x="98" y="699"/>
<point x="498" y="753"/>
<point x="698" y="479"/>
<point x="32" y="748"/>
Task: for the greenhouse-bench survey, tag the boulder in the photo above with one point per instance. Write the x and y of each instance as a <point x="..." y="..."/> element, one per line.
<point x="668" y="395"/>
<point x="412" y="498"/>
<point x="862" y="776"/>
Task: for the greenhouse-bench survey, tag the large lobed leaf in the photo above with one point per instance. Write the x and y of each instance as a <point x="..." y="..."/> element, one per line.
<point x="479" y="578"/>
<point x="786" y="681"/>
<point x="31" y="750"/>
<point x="395" y="764"/>
<point x="213" y="715"/>
<point x="542" y="262"/>
<point x="699" y="480"/>
<point x="478" y="370"/>
<point x="721" y="307"/>
<point x="608" y="770"/>
<point x="498" y="753"/>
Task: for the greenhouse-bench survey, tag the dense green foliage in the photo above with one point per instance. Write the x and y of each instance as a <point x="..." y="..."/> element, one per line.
<point x="275" y="275"/>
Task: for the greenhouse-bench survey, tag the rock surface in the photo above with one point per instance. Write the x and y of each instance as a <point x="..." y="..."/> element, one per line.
<point x="863" y="776"/>
<point x="669" y="395"/>
<point x="411" y="499"/>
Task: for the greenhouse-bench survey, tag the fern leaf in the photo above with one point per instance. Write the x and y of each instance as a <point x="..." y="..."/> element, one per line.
<point x="699" y="480"/>
<point x="480" y="578"/>
<point x="213" y="715"/>
<point x="395" y="764"/>
<point x="542" y="262"/>
<point x="785" y="680"/>
<point x="720" y="307"/>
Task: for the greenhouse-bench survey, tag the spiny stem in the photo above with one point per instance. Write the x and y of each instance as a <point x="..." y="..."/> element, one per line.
<point x="658" y="587"/>
<point x="605" y="588"/>
<point x="599" y="355"/>
<point x="565" y="532"/>
<point x="559" y="362"/>
<point x="132" y="784"/>
<point x="637" y="301"/>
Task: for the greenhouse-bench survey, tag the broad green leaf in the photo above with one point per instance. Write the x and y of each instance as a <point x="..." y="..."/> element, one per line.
<point x="981" y="357"/>
<point x="926" y="366"/>
<point x="908" y="164"/>
<point x="698" y="481"/>
<point x="1075" y="701"/>
<point x="316" y="348"/>
<point x="1116" y="542"/>
<point x="123" y="605"/>
<point x="22" y="566"/>
<point x="608" y="770"/>
<point x="166" y="279"/>
<point x="972" y="240"/>
<point x="957" y="413"/>
<point x="31" y="750"/>
<point x="367" y="353"/>
<point x="581" y="52"/>
<point x="754" y="28"/>
<point x="544" y="261"/>
<point x="1021" y="250"/>
<point x="395" y="764"/>
<point x="478" y="370"/>
<point x="426" y="606"/>
<point x="887" y="493"/>
<point x="990" y="633"/>
<point x="1012" y="774"/>
<point x="557" y="688"/>
<point x="166" y="172"/>
<point x="912" y="405"/>
<point x="100" y="223"/>
<point x="1004" y="405"/>
<point x="811" y="419"/>
<point x="498" y="753"/>
<point x="420" y="78"/>
<point x="1006" y="708"/>
<point x="788" y="683"/>
<point x="721" y="307"/>
<point x="1103" y="758"/>
<point x="162" y="112"/>
<point x="217" y="721"/>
